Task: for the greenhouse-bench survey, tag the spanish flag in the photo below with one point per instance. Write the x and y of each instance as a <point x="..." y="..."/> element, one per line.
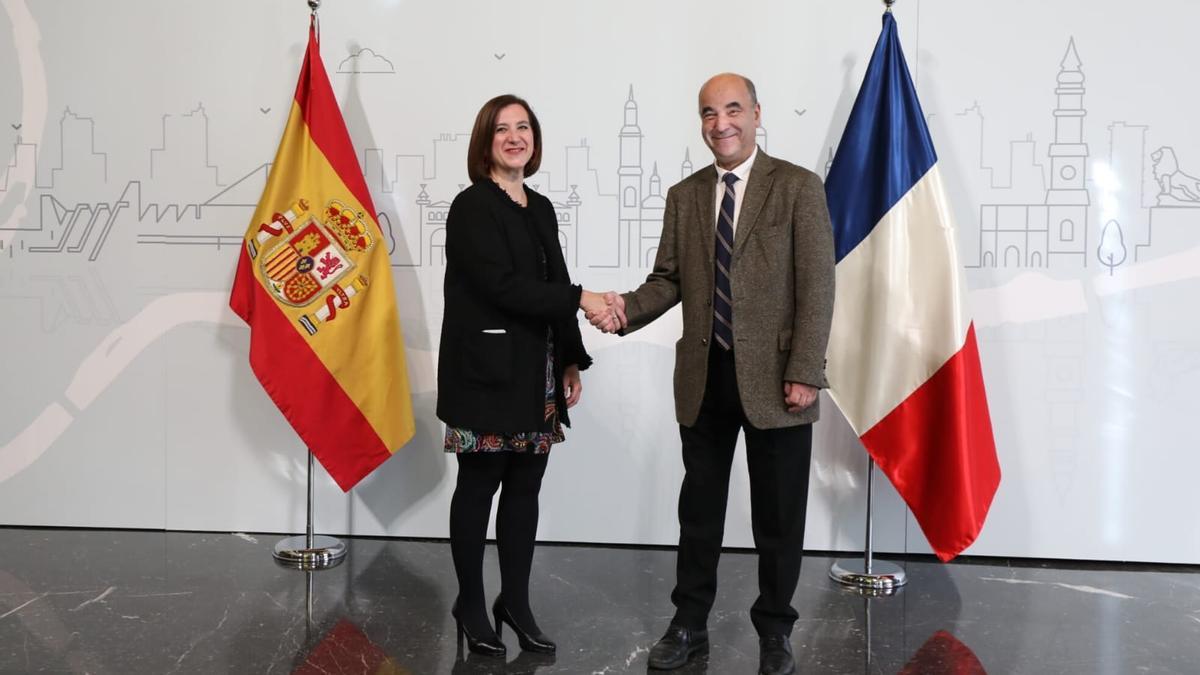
<point x="314" y="283"/>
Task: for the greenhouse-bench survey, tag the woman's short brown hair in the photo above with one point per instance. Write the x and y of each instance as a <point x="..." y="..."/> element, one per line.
<point x="479" y="151"/>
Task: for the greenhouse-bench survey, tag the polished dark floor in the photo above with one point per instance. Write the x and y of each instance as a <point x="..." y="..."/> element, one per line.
<point x="153" y="602"/>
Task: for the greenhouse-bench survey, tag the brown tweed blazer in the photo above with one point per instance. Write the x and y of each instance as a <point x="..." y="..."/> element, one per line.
<point x="782" y="282"/>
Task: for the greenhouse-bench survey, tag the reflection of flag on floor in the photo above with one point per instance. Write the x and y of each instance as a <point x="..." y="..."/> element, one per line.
<point x="903" y="362"/>
<point x="315" y="285"/>
<point x="346" y="650"/>
<point x="943" y="654"/>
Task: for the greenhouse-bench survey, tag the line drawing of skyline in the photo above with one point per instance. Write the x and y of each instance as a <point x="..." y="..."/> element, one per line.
<point x="1046" y="211"/>
<point x="1049" y="209"/>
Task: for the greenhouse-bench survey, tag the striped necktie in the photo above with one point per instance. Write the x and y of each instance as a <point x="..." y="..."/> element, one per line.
<point x="722" y="290"/>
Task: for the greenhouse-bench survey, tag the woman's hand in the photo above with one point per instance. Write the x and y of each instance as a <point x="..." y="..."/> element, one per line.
<point x="572" y="385"/>
<point x="592" y="303"/>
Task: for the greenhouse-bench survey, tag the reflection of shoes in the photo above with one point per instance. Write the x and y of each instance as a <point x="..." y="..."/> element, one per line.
<point x="775" y="655"/>
<point x="528" y="663"/>
<point x="531" y="641"/>
<point x="489" y="645"/>
<point x="477" y="664"/>
<point x="676" y="646"/>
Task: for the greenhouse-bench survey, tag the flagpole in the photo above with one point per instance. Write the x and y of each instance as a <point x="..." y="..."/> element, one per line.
<point x="868" y="548"/>
<point x="308" y="609"/>
<point x="308" y="528"/>
<point x="867" y="575"/>
<point x="867" y="610"/>
<point x="310" y="552"/>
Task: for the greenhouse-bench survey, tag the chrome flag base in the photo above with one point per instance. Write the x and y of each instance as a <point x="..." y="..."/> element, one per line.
<point x="299" y="553"/>
<point x="883" y="577"/>
<point x="310" y="551"/>
<point x="866" y="575"/>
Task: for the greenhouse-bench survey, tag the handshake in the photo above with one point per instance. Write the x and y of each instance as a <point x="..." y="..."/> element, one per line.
<point x="605" y="311"/>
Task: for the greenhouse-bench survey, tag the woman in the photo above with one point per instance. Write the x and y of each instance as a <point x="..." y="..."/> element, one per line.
<point x="509" y="365"/>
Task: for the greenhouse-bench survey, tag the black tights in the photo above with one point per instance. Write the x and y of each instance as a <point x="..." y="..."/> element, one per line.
<point x="479" y="474"/>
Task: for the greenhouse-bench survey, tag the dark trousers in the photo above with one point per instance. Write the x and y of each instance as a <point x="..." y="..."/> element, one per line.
<point x="778" y="461"/>
<point x="479" y="475"/>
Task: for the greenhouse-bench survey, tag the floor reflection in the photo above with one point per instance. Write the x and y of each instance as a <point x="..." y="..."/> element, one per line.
<point x="346" y="650"/>
<point x="75" y="601"/>
<point x="393" y="602"/>
<point x="525" y="663"/>
<point x="943" y="654"/>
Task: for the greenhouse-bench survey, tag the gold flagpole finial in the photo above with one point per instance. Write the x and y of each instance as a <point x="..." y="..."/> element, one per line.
<point x="314" y="5"/>
<point x="889" y="4"/>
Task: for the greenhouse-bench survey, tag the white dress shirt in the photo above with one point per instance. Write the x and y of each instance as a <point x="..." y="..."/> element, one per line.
<point x="742" y="171"/>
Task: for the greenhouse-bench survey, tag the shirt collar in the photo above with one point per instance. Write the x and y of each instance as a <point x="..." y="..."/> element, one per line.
<point x="742" y="171"/>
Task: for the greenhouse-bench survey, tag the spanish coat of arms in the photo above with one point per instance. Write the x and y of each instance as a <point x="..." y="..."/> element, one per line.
<point x="310" y="255"/>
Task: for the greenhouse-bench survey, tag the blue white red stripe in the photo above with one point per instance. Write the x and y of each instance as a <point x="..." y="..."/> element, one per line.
<point x="903" y="363"/>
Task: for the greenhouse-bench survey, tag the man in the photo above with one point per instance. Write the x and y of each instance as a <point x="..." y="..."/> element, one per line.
<point x="748" y="249"/>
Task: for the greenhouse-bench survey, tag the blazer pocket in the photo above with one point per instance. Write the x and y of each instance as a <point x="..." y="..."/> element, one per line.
<point x="488" y="357"/>
<point x="770" y="230"/>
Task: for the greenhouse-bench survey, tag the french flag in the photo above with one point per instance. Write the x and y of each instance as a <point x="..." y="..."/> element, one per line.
<point x="903" y="362"/>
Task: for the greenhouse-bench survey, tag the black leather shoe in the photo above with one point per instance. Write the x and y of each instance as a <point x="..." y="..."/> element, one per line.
<point x="775" y="655"/>
<point x="487" y="645"/>
<point x="531" y="641"/>
<point x="676" y="646"/>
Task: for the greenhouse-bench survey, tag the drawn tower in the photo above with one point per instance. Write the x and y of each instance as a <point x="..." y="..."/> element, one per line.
<point x="1067" y="199"/>
<point x="629" y="181"/>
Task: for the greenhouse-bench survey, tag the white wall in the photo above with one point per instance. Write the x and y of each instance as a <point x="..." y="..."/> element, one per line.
<point x="134" y="138"/>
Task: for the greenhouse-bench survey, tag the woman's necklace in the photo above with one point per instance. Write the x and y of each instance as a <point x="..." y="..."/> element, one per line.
<point x="519" y="196"/>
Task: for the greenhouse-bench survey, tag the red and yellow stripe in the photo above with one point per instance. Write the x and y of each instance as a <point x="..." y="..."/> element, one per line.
<point x="345" y="388"/>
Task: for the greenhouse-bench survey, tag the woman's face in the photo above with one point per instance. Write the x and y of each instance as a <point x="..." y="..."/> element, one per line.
<point x="512" y="140"/>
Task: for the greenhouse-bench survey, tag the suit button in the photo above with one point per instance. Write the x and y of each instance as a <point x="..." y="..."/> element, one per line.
<point x="708" y="302"/>
<point x="704" y="341"/>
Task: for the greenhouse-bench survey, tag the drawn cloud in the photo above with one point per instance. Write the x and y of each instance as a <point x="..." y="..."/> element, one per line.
<point x="365" y="60"/>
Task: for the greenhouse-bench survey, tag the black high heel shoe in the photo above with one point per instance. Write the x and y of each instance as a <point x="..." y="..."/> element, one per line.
<point x="487" y="645"/>
<point x="529" y="642"/>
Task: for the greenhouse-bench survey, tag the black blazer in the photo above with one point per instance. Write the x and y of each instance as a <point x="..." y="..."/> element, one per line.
<point x="502" y="294"/>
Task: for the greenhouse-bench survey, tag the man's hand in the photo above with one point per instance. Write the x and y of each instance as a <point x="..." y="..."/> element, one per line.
<point x="616" y="310"/>
<point x="604" y="311"/>
<point x="572" y="385"/>
<point x="798" y="396"/>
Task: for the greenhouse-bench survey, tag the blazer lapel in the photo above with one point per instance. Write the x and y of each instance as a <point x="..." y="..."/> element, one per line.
<point x="759" y="186"/>
<point x="706" y="202"/>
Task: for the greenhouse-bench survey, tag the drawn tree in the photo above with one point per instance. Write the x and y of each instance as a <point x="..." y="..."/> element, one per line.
<point x="1111" y="251"/>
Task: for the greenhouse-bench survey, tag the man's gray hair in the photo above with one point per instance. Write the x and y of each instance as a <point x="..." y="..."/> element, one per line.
<point x="750" y="88"/>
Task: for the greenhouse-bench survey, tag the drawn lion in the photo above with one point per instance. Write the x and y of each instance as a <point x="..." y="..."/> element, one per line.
<point x="1175" y="186"/>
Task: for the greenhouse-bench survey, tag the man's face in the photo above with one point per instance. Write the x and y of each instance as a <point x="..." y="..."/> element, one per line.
<point x="728" y="120"/>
